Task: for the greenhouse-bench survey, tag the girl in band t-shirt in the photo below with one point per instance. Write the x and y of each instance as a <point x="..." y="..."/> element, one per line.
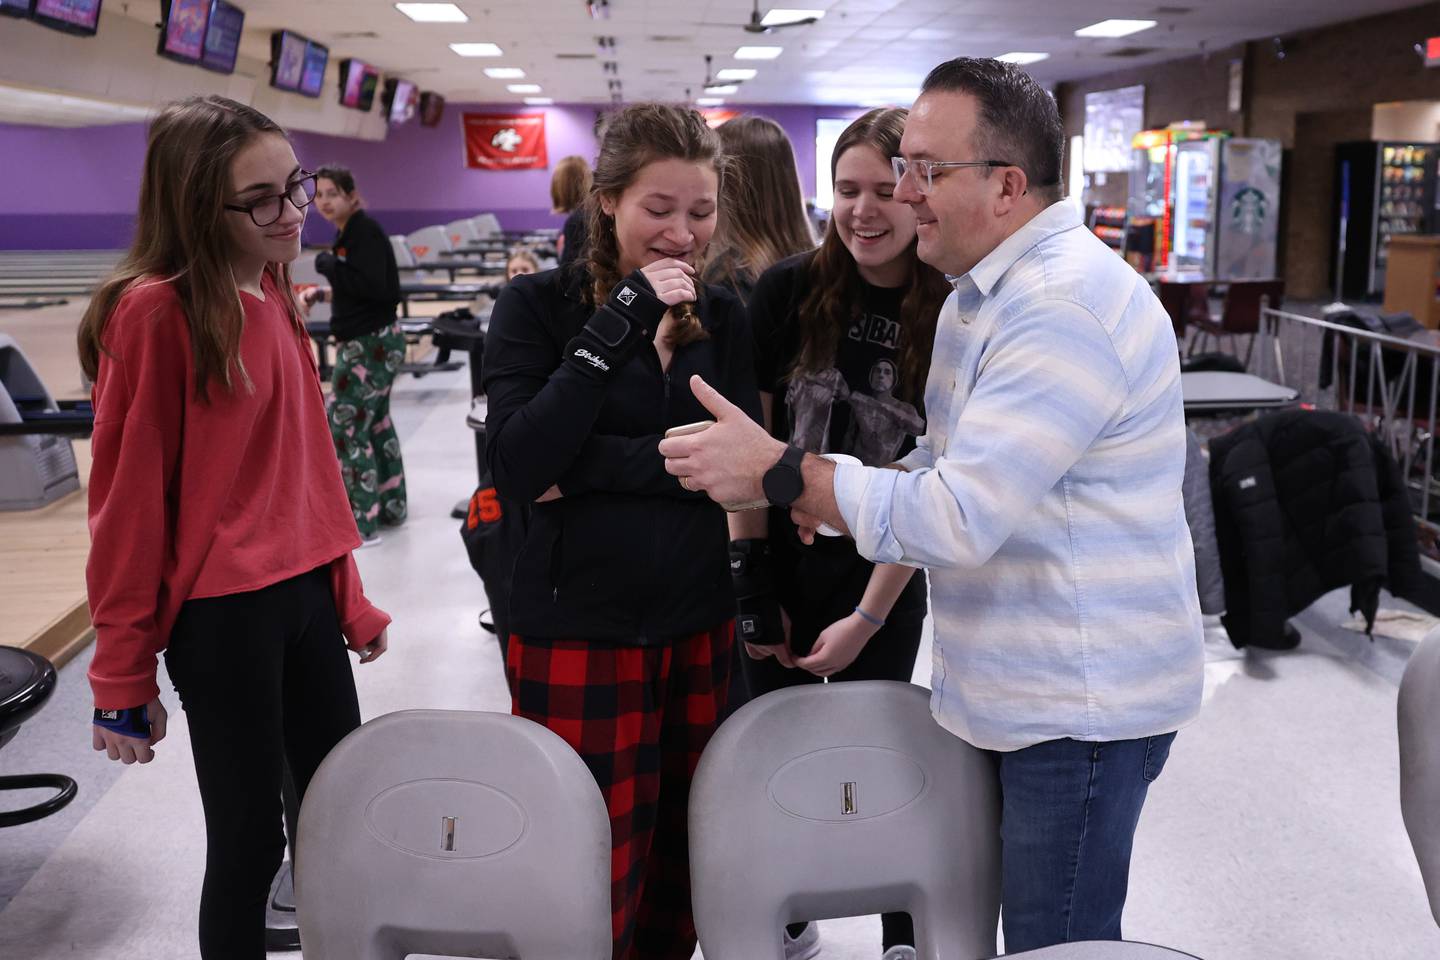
<point x="843" y="336"/>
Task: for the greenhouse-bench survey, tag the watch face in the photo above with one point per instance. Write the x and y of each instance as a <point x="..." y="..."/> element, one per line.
<point x="782" y="484"/>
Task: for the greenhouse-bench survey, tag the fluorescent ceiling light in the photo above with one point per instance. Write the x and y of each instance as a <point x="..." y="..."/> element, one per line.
<point x="433" y="12"/>
<point x="476" y="49"/>
<point x="1022" y="58"/>
<point x="539" y="101"/>
<point x="723" y="89"/>
<point x="1114" y="28"/>
<point x="710" y="101"/>
<point x="504" y="73"/>
<point x="736" y="73"/>
<point x="779" y="16"/>
<point x="758" y="53"/>
<point x="524" y="88"/>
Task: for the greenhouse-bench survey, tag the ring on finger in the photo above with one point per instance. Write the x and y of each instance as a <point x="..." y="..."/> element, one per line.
<point x="685" y="482"/>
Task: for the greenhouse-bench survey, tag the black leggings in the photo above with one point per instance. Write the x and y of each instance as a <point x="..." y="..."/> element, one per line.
<point x="889" y="655"/>
<point x="263" y="678"/>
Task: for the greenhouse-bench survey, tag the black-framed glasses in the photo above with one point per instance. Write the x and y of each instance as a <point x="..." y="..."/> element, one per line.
<point x="266" y="210"/>
<point x="923" y="171"/>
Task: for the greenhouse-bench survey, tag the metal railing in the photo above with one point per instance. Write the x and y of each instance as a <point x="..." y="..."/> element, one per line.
<point x="1391" y="383"/>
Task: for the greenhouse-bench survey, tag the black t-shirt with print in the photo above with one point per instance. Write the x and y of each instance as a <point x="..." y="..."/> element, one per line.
<point x="851" y="407"/>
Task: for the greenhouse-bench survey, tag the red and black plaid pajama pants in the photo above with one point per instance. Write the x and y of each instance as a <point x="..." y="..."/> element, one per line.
<point x="639" y="717"/>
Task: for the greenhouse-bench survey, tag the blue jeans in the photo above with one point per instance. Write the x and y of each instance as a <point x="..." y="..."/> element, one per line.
<point x="1069" y="810"/>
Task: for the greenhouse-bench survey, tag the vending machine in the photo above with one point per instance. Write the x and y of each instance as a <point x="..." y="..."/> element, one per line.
<point x="1215" y="200"/>
<point x="1381" y="189"/>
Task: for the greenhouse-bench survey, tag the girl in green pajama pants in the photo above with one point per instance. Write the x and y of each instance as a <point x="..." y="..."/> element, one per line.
<point x="365" y="290"/>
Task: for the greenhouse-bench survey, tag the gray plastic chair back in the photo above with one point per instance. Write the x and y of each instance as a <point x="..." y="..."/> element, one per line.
<point x="429" y="244"/>
<point x="487" y="225"/>
<point x="461" y="231"/>
<point x="453" y="833"/>
<point x="1104" y="950"/>
<point x="843" y="800"/>
<point x="1419" y="719"/>
<point x="403" y="257"/>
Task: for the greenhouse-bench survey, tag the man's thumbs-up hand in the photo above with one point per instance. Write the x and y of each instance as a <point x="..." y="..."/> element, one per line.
<point x="727" y="460"/>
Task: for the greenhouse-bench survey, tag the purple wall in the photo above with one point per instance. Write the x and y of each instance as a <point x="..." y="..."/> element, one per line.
<point x="76" y="188"/>
<point x="69" y="187"/>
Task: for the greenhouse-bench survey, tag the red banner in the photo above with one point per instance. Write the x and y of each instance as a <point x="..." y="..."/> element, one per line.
<point x="716" y="116"/>
<point x="496" y="141"/>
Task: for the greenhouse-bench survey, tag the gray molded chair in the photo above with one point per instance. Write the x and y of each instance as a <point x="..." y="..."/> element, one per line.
<point x="453" y="833"/>
<point x="843" y="800"/>
<point x="1419" y="719"/>
<point x="1104" y="950"/>
<point x="429" y="244"/>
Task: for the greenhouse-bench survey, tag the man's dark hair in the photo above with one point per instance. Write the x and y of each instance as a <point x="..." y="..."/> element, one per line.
<point x="338" y="175"/>
<point x="1019" y="122"/>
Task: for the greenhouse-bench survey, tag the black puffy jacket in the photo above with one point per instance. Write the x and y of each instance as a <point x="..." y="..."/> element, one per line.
<point x="1306" y="502"/>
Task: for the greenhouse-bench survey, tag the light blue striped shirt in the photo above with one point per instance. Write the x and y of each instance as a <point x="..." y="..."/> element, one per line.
<point x="1045" y="500"/>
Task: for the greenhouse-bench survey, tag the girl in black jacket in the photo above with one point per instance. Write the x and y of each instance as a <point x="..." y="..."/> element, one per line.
<point x="365" y="290"/>
<point x="621" y="606"/>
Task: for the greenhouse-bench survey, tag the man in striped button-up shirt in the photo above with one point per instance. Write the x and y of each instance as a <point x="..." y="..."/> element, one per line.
<point x="1044" y="499"/>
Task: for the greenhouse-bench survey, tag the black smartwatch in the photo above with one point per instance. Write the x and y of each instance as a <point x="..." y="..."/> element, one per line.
<point x="783" y="483"/>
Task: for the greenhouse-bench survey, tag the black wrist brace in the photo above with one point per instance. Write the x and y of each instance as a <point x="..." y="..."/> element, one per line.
<point x="612" y="335"/>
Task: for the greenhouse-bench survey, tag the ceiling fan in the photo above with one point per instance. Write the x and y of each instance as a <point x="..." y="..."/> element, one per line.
<point x="755" y="26"/>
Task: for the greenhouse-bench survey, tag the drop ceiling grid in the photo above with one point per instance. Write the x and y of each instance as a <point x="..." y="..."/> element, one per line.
<point x="859" y="46"/>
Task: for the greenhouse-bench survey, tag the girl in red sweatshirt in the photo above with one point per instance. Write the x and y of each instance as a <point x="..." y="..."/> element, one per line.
<point x="221" y="532"/>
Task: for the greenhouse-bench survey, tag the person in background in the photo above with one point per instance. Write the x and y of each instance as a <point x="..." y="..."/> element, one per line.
<point x="1044" y="500"/>
<point x="370" y="347"/>
<point x="521" y="262"/>
<point x="843" y="336"/>
<point x="219" y="525"/>
<point x="762" y="212"/>
<point x="569" y="186"/>
<point x="621" y="604"/>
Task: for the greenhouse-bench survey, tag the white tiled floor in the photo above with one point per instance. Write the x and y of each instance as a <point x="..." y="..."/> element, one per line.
<point x="1274" y="832"/>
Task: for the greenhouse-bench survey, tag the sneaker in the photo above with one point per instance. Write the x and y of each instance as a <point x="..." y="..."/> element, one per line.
<point x="804" y="947"/>
<point x="370" y="541"/>
<point x="282" y="931"/>
<point x="899" y="952"/>
<point x="475" y="419"/>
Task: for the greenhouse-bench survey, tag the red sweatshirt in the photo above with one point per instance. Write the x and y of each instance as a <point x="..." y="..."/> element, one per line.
<point x="191" y="499"/>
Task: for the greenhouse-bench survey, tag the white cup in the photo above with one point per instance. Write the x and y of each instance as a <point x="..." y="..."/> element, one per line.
<point x="825" y="530"/>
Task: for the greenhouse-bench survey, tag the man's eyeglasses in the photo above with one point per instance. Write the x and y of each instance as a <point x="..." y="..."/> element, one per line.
<point x="923" y="171"/>
<point x="266" y="210"/>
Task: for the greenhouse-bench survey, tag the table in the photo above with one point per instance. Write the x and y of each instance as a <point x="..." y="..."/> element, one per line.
<point x="1210" y="391"/>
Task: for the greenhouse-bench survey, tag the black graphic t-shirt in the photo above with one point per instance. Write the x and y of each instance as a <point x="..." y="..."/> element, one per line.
<point x="853" y="407"/>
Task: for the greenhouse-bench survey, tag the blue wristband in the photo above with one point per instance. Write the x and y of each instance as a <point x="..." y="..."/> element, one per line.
<point x="869" y="619"/>
<point x="132" y="722"/>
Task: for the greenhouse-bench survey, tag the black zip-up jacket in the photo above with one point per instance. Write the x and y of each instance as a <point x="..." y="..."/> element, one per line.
<point x="364" y="281"/>
<point x="1305" y="502"/>
<point x="626" y="555"/>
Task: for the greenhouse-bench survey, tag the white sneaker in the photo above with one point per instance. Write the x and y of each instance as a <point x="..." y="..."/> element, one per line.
<point x="370" y="541"/>
<point x="479" y="408"/>
<point x="804" y="947"/>
<point x="899" y="952"/>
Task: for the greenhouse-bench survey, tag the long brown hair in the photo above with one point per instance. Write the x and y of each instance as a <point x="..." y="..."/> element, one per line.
<point x="180" y="237"/>
<point x="834" y="281"/>
<point x="569" y="184"/>
<point x="635" y="137"/>
<point x="762" y="215"/>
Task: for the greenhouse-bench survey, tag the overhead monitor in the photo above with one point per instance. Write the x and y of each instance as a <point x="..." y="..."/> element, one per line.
<point x="222" y="37"/>
<point x="72" y="16"/>
<point x="182" y="29"/>
<point x="287" y="60"/>
<point x="312" y="77"/>
<point x="432" y="107"/>
<point x="16" y="8"/>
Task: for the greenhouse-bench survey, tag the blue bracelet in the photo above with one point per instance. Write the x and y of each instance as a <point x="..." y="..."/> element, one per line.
<point x="869" y="619"/>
